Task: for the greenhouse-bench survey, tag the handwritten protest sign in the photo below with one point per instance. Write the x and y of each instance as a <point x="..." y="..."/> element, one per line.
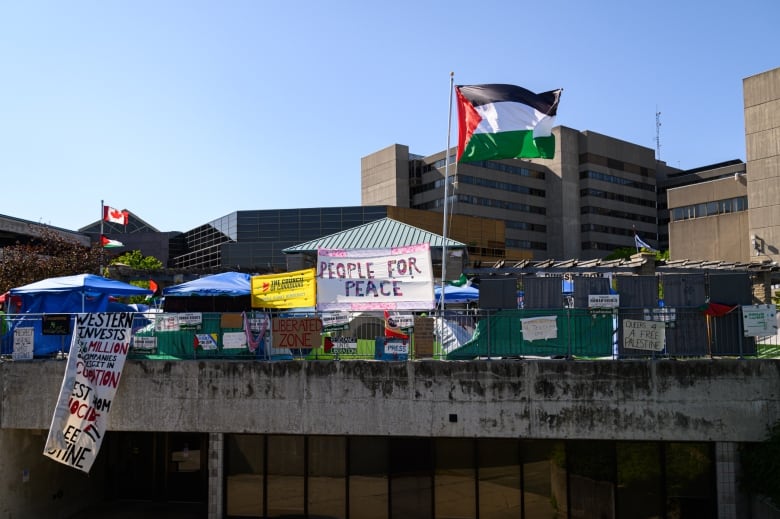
<point x="643" y="335"/>
<point x="97" y="356"/>
<point x="537" y="328"/>
<point x="375" y="279"/>
<point x="24" y="339"/>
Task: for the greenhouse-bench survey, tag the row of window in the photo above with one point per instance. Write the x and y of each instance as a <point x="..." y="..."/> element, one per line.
<point x="411" y="478"/>
<point x="495" y="166"/>
<point x="485" y="202"/>
<point x="604" y="177"/>
<point x="603" y="211"/>
<point x="621" y="231"/>
<point x="525" y="226"/>
<point x="200" y="247"/>
<point x="729" y="205"/>
<point x="525" y="244"/>
<point x="609" y="195"/>
<point x="503" y="186"/>
<point x="611" y="163"/>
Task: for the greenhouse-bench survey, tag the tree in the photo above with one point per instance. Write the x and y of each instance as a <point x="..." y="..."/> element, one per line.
<point x="136" y="260"/>
<point x="51" y="254"/>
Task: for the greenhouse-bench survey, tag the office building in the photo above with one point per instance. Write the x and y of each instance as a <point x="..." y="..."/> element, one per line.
<point x="590" y="199"/>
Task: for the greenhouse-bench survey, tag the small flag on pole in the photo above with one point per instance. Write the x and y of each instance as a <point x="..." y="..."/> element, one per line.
<point x="155" y="288"/>
<point x="640" y="244"/>
<point x="115" y="215"/>
<point x="505" y="122"/>
<point x="108" y="243"/>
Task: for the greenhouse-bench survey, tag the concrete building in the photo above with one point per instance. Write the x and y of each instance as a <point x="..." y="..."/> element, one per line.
<point x="762" y="142"/>
<point x="730" y="211"/>
<point x="364" y="439"/>
<point x="587" y="201"/>
<point x="707" y="216"/>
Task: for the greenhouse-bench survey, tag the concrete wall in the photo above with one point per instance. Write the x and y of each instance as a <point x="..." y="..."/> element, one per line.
<point x="32" y="483"/>
<point x="696" y="400"/>
<point x="762" y="142"/>
<point x="694" y="238"/>
<point x="384" y="177"/>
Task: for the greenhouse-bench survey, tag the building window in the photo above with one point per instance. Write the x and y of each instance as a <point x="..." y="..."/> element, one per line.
<point x="726" y="206"/>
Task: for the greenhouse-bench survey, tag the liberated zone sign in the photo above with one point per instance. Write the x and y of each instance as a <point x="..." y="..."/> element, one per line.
<point x="296" y="332"/>
<point x="375" y="279"/>
<point x="97" y="355"/>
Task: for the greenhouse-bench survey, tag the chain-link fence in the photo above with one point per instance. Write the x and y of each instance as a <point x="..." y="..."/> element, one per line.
<point x="458" y="334"/>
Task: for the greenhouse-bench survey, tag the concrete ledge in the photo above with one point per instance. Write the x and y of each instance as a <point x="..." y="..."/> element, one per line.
<point x="669" y="400"/>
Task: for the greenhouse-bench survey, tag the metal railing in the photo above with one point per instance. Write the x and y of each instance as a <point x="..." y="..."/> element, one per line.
<point x="566" y="333"/>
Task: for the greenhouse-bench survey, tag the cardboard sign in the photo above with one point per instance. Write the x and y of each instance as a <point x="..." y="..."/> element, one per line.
<point x="643" y="335"/>
<point x="296" y="332"/>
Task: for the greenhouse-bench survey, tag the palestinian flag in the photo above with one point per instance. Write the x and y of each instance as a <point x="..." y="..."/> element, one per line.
<point x="108" y="243"/>
<point x="505" y="122"/>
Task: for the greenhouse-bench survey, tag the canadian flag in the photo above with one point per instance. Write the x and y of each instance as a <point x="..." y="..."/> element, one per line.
<point x="114" y="215"/>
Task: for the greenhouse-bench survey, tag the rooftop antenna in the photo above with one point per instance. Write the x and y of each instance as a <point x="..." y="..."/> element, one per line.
<point x="657" y="134"/>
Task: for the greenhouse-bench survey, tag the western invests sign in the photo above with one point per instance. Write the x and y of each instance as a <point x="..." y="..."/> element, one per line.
<point x="375" y="279"/>
<point x="95" y="361"/>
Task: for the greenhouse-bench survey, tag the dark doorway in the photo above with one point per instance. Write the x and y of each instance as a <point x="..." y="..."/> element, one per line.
<point x="167" y="467"/>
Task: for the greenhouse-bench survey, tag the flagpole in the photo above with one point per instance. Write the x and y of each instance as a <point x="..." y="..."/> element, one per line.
<point x="100" y="238"/>
<point x="445" y="215"/>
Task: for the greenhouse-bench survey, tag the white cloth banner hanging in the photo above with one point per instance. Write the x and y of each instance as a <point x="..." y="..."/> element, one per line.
<point x="95" y="361"/>
<point x="375" y="279"/>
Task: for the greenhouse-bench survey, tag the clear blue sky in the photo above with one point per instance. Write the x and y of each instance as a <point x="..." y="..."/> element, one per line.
<point x="184" y="111"/>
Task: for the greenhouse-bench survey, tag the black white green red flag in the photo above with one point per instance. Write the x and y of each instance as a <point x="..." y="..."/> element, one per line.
<point x="108" y="243"/>
<point x="500" y="121"/>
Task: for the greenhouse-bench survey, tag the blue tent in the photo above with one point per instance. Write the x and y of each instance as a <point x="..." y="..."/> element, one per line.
<point x="225" y="284"/>
<point x="453" y="294"/>
<point x="82" y="293"/>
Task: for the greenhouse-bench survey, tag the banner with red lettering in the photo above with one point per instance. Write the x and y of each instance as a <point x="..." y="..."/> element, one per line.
<point x="375" y="279"/>
<point x="97" y="355"/>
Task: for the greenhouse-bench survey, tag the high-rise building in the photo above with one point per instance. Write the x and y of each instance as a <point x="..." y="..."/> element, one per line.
<point x="590" y="199"/>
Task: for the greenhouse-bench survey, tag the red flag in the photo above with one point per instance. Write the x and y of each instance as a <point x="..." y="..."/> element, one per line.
<point x="717" y="309"/>
<point x="153" y="286"/>
<point x="115" y="215"/>
<point x="392" y="329"/>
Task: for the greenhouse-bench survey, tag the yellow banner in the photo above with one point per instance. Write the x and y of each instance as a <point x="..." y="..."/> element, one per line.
<point x="296" y="289"/>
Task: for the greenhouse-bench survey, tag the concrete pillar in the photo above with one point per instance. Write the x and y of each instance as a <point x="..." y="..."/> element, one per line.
<point x="762" y="288"/>
<point x="216" y="472"/>
<point x="726" y="466"/>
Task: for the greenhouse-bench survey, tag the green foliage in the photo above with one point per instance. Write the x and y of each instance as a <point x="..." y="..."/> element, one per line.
<point x="627" y="252"/>
<point x="136" y="260"/>
<point x="621" y="253"/>
<point x="761" y="466"/>
<point x="139" y="299"/>
<point x="51" y="254"/>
